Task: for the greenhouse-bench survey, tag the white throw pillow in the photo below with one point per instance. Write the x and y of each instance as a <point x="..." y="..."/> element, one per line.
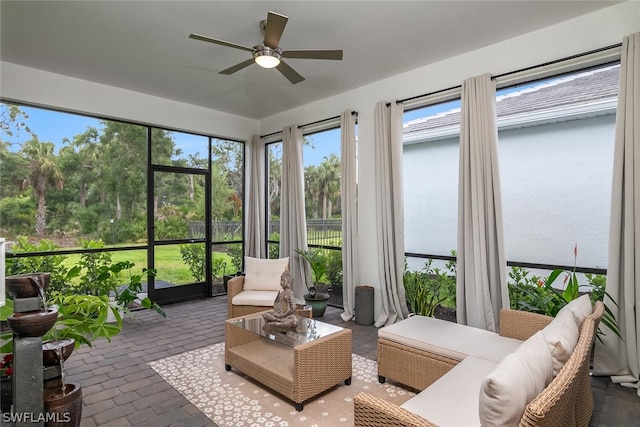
<point x="263" y="274"/>
<point x="580" y="308"/>
<point x="561" y="336"/>
<point x="516" y="381"/>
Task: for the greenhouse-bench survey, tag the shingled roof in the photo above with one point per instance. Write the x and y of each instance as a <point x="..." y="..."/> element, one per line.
<point x="573" y="90"/>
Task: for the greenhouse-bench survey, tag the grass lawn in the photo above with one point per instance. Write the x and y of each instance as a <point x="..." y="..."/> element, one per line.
<point x="168" y="263"/>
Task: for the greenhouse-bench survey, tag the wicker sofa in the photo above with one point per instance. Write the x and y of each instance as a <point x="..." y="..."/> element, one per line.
<point x="535" y="373"/>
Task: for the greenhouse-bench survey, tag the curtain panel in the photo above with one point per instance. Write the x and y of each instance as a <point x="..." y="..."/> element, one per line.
<point x="349" y="205"/>
<point x="481" y="262"/>
<point x="256" y="230"/>
<point x="613" y="356"/>
<point x="389" y="212"/>
<point x="293" y="222"/>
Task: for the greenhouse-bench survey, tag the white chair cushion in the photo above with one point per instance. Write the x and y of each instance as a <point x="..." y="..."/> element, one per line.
<point x="515" y="382"/>
<point x="264" y="274"/>
<point x="561" y="336"/>
<point x="453" y="399"/>
<point x="258" y="298"/>
<point x="449" y="339"/>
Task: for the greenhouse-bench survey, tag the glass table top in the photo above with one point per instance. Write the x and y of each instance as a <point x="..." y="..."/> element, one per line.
<point x="307" y="330"/>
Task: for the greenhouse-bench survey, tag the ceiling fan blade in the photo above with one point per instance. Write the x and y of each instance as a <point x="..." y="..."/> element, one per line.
<point x="237" y="67"/>
<point x="220" y="42"/>
<point x="291" y="74"/>
<point x="274" y="29"/>
<point x="313" y="54"/>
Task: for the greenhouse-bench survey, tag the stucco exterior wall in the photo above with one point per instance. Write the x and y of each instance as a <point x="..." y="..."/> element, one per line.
<point x="556" y="192"/>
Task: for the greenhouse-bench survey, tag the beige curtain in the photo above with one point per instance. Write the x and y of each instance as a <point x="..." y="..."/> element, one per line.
<point x="293" y="223"/>
<point x="349" y="205"/>
<point x="481" y="264"/>
<point x="256" y="244"/>
<point x="389" y="212"/>
<point x="621" y="359"/>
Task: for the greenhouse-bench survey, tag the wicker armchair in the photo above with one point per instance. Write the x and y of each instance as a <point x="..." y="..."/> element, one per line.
<point x="257" y="289"/>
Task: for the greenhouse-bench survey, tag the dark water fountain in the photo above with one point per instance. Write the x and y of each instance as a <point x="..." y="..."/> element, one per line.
<point x="39" y="387"/>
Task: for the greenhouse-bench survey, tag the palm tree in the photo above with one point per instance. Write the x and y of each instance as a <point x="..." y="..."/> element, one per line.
<point x="329" y="182"/>
<point x="43" y="170"/>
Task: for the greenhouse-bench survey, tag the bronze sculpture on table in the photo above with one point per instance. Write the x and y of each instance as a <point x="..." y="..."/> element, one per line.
<point x="283" y="316"/>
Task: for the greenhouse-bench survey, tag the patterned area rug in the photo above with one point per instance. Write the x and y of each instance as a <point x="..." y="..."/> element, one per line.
<point x="233" y="399"/>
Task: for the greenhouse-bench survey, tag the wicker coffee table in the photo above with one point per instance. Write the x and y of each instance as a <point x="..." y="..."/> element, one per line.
<point x="297" y="364"/>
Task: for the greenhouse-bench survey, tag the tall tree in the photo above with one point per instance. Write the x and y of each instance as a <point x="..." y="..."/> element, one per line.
<point x="43" y="171"/>
<point x="329" y="180"/>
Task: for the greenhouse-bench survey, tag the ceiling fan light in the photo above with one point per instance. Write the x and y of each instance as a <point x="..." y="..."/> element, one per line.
<point x="266" y="57"/>
<point x="266" y="61"/>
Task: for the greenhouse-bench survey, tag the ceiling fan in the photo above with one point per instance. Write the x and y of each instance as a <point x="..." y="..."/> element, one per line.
<point x="269" y="54"/>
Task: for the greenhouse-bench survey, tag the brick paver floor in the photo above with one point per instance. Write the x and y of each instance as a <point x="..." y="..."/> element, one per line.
<point x="120" y="389"/>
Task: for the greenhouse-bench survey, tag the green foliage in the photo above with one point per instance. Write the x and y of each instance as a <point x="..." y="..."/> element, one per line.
<point x="17" y="215"/>
<point x="334" y="267"/>
<point x="538" y="295"/>
<point x="98" y="275"/>
<point x="95" y="276"/>
<point x="53" y="264"/>
<point x="127" y="294"/>
<point x="172" y="227"/>
<point x="84" y="318"/>
<point x="529" y="293"/>
<point x="430" y="287"/>
<point x="317" y="260"/>
<point x="274" y="249"/>
<point x="218" y="267"/>
<point x="6" y="337"/>
<point x="193" y="256"/>
<point x="235" y="252"/>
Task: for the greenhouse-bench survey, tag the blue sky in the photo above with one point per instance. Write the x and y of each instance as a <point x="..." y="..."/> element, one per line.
<point x="54" y="126"/>
<point x="50" y="126"/>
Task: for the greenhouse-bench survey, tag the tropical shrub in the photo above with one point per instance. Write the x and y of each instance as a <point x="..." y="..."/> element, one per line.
<point x="539" y="295"/>
<point x="334" y="268"/>
<point x="430" y="287"/>
<point x="193" y="256"/>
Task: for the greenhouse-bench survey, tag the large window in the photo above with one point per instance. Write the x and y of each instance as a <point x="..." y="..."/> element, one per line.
<point x="555" y="140"/>
<point x="78" y="184"/>
<point x="273" y="192"/>
<point x="322" y="171"/>
<point x="431" y="140"/>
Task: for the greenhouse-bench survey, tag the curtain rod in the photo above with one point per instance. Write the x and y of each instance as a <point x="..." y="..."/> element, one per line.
<point x="400" y="101"/>
<point x="557" y="61"/>
<point x="533" y="67"/>
<point x="353" y="113"/>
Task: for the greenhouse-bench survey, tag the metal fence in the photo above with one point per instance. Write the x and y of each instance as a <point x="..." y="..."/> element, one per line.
<point x="323" y="232"/>
<point x="220" y="230"/>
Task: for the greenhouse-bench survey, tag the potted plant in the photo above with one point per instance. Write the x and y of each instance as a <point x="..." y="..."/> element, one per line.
<point x="318" y="262"/>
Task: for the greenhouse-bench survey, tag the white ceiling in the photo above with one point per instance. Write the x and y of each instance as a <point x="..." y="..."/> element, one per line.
<point x="144" y="45"/>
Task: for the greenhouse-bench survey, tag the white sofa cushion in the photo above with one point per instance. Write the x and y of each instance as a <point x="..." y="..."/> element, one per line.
<point x="449" y="339"/>
<point x="453" y="399"/>
<point x="515" y="382"/>
<point x="263" y="274"/>
<point x="258" y="298"/>
<point x="561" y="336"/>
